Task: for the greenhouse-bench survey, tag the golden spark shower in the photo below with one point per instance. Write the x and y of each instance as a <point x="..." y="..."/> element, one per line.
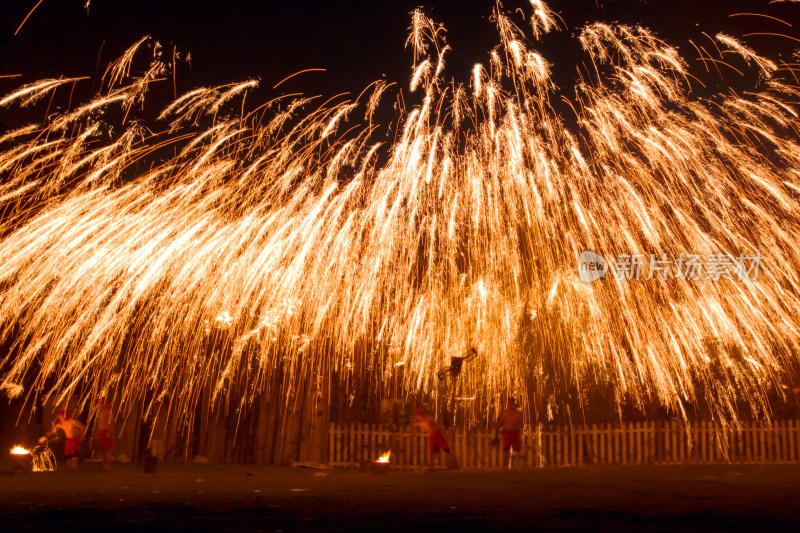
<point x="288" y="244"/>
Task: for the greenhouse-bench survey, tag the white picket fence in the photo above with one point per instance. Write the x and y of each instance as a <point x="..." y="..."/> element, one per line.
<point x="353" y="445"/>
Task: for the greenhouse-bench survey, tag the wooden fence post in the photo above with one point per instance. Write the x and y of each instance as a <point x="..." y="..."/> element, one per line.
<point x="625" y="443"/>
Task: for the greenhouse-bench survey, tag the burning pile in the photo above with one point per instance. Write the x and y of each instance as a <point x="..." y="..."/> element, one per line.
<point x="39" y="459"/>
<point x="381" y="465"/>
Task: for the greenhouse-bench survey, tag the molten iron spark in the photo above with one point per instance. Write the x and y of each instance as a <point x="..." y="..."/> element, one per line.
<point x="267" y="253"/>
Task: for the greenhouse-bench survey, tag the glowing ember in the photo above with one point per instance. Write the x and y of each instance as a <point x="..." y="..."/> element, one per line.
<point x="384" y="458"/>
<point x="19" y="450"/>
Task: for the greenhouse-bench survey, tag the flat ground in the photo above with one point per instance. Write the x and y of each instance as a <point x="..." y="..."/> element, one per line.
<point x="236" y="497"/>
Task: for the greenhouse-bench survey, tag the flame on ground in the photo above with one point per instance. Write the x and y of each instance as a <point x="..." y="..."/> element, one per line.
<point x="384" y="458"/>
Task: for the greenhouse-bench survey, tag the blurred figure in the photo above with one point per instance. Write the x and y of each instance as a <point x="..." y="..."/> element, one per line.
<point x="73" y="430"/>
<point x="105" y="433"/>
<point x="436" y="439"/>
<point x="510" y="423"/>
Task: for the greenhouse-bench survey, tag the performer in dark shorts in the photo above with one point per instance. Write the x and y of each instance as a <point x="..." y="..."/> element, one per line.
<point x="436" y="438"/>
<point x="510" y="423"/>
<point x="73" y="430"/>
<point x="105" y="435"/>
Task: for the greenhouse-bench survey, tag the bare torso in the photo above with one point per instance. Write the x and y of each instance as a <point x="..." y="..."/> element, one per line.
<point x="104" y="418"/>
<point x="71" y="427"/>
<point x="428" y="424"/>
<point x="511" y="420"/>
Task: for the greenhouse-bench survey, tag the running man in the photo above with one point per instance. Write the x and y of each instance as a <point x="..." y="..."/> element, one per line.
<point x="73" y="430"/>
<point x="436" y="439"/>
<point x="510" y="423"/>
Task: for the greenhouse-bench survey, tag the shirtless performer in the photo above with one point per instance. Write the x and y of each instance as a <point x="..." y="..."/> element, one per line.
<point x="105" y="435"/>
<point x="74" y="433"/>
<point x="436" y="440"/>
<point x="510" y="422"/>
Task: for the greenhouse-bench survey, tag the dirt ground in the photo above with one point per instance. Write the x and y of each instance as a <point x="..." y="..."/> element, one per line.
<point x="237" y="497"/>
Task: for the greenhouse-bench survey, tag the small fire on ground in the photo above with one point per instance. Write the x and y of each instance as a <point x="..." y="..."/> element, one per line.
<point x="19" y="450"/>
<point x="384" y="458"/>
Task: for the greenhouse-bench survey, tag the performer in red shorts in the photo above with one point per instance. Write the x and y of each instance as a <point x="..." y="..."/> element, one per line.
<point x="105" y="435"/>
<point x="436" y="439"/>
<point x="73" y="430"/>
<point x="510" y="422"/>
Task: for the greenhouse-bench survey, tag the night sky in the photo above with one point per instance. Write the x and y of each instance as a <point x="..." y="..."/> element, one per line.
<point x="356" y="42"/>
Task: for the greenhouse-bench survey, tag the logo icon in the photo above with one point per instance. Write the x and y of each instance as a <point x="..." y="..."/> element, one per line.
<point x="591" y="267"/>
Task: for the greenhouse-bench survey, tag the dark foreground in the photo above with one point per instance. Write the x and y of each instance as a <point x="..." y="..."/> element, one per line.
<point x="223" y="498"/>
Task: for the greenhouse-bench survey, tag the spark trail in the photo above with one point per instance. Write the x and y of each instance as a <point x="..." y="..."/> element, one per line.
<point x="288" y="246"/>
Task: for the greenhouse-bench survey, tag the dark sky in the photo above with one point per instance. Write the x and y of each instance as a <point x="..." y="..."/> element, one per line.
<point x="355" y="41"/>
